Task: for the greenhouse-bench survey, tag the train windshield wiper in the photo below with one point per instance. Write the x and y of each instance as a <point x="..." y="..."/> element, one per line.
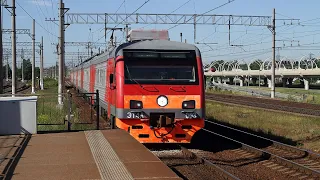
<point x="130" y="78"/>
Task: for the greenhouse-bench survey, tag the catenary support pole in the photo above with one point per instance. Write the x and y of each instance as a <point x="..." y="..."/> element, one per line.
<point x="41" y="65"/>
<point x="22" y="68"/>
<point x="61" y="52"/>
<point x="273" y="53"/>
<point x="1" y="51"/>
<point x="7" y="68"/>
<point x="33" y="55"/>
<point x="13" y="48"/>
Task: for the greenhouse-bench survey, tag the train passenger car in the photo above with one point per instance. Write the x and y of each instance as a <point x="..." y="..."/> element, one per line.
<point x="150" y="86"/>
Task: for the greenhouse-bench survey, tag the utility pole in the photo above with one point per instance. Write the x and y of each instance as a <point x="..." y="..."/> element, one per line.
<point x="273" y="53"/>
<point x="13" y="47"/>
<point x="22" y="59"/>
<point x="1" y="51"/>
<point x="7" y="69"/>
<point x="41" y="64"/>
<point x="61" y="55"/>
<point x="181" y="37"/>
<point x="33" y="36"/>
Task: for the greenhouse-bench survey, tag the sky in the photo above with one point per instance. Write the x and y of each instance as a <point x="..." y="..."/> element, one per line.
<point x="294" y="41"/>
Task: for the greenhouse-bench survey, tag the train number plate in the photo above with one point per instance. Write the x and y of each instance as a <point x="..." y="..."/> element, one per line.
<point x="134" y="115"/>
<point x="191" y="115"/>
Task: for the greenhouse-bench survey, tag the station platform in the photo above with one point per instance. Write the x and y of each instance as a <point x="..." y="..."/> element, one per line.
<point x="106" y="155"/>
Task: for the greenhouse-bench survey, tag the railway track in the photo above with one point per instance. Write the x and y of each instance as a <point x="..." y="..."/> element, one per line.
<point x="278" y="105"/>
<point x="21" y="87"/>
<point x="220" y="171"/>
<point x="299" y="156"/>
<point x="286" y="167"/>
<point x="231" y="158"/>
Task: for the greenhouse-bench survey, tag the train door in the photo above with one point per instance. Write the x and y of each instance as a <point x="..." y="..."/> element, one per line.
<point x="111" y="91"/>
<point x="108" y="87"/>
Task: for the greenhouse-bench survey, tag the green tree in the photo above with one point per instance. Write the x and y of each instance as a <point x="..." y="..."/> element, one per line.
<point x="255" y="65"/>
<point x="4" y="72"/>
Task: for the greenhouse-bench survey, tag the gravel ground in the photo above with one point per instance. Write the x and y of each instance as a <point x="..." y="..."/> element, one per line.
<point x="186" y="169"/>
<point x="243" y="165"/>
<point x="226" y="155"/>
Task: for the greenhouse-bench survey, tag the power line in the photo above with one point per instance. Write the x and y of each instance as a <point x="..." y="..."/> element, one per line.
<point x="172" y="11"/>
<point x="35" y="21"/>
<point x="127" y="17"/>
<point x="229" y="1"/>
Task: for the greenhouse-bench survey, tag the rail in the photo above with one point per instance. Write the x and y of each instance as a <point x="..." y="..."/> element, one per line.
<point x="268" y="155"/>
<point x="220" y="171"/>
<point x="276" y="143"/>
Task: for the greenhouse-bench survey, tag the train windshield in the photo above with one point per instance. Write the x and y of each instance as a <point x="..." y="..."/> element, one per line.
<point x="160" y="68"/>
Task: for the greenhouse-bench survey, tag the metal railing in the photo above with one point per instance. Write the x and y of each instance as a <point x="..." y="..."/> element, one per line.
<point x="78" y="111"/>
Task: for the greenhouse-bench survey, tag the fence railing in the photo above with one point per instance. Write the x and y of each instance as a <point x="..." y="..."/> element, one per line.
<point x="78" y="111"/>
<point x="256" y="92"/>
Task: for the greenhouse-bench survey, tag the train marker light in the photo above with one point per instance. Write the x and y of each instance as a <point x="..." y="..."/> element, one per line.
<point x="188" y="104"/>
<point x="136" y="104"/>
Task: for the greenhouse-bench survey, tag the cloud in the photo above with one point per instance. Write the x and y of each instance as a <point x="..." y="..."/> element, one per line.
<point x="41" y="2"/>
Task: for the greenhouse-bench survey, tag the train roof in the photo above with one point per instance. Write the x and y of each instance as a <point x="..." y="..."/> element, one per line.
<point x="141" y="45"/>
<point x="159" y="45"/>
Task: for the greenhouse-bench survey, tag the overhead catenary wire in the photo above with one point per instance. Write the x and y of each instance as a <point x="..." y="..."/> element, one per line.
<point x="229" y="1"/>
<point x="36" y="21"/>
<point x="126" y="18"/>
<point x="172" y="11"/>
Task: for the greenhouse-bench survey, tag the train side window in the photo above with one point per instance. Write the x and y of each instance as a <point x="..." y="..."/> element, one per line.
<point x="111" y="78"/>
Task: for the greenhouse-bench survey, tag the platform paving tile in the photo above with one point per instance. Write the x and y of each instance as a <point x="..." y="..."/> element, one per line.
<point x="150" y="170"/>
<point x="139" y="161"/>
<point x="89" y="155"/>
<point x="109" y="164"/>
<point x="57" y="156"/>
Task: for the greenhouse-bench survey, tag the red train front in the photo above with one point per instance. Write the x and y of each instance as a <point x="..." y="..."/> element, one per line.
<point x="151" y="87"/>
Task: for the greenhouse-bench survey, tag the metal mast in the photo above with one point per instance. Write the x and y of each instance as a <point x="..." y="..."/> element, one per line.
<point x="1" y="52"/>
<point x="273" y="53"/>
<point x="33" y="36"/>
<point x="13" y="47"/>
<point x="41" y="64"/>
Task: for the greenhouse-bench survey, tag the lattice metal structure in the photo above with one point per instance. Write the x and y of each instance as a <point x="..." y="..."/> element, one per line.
<point x="8" y="51"/>
<point x="90" y="44"/>
<point x="21" y="44"/>
<point x="3" y="3"/>
<point x="123" y="18"/>
<point x="18" y="31"/>
<point x="74" y="53"/>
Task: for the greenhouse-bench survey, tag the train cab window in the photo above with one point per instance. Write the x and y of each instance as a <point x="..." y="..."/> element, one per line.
<point x="160" y="68"/>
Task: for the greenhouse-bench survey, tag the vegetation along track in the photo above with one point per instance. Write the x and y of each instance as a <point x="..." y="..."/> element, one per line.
<point x="279" y="105"/>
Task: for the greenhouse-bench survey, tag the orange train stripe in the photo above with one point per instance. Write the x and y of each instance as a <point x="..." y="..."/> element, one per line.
<point x="150" y="101"/>
<point x="196" y="126"/>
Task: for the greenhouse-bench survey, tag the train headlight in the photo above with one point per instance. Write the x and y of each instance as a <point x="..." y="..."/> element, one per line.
<point x="136" y="104"/>
<point x="189" y="104"/>
<point x="162" y="101"/>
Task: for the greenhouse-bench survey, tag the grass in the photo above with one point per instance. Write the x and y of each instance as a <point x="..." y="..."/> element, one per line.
<point x="224" y="91"/>
<point x="296" y="128"/>
<point x="51" y="116"/>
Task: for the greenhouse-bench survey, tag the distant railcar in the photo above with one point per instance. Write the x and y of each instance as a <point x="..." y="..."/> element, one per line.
<point x="150" y="86"/>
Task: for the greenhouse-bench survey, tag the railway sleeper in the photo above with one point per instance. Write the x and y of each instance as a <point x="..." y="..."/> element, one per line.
<point x="300" y="152"/>
<point x="221" y="172"/>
